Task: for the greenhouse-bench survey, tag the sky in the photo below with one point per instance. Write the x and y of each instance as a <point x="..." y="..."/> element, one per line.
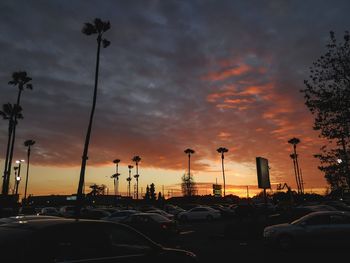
<point x="178" y="74"/>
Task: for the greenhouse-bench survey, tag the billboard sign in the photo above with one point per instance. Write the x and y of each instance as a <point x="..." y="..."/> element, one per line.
<point x="262" y="167"/>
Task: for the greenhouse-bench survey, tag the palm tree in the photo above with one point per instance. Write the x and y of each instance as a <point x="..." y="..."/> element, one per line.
<point x="137" y="159"/>
<point x="294" y="141"/>
<point x="223" y="150"/>
<point x="129" y="179"/>
<point x="8" y="112"/>
<point x="21" y="80"/>
<point x="189" y="151"/>
<point x="116" y="176"/>
<point x="98" y="27"/>
<point x="27" y="143"/>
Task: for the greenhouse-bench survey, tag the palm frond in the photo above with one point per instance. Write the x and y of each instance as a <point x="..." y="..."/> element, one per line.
<point x="89" y="29"/>
<point x="106" y="26"/>
<point x="98" y="24"/>
<point x="105" y="43"/>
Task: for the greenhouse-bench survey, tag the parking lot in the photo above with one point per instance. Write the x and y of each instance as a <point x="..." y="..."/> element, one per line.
<point x="208" y="241"/>
<point x="231" y="237"/>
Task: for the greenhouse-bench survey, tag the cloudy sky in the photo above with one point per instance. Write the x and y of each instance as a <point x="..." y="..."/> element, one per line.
<point x="178" y="74"/>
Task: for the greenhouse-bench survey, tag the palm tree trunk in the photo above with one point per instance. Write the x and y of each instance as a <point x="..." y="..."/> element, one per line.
<point x="88" y="133"/>
<point x="223" y="173"/>
<point x="7" y="156"/>
<point x="14" y="117"/>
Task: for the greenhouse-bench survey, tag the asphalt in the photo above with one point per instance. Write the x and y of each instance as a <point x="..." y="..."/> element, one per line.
<point x="210" y="243"/>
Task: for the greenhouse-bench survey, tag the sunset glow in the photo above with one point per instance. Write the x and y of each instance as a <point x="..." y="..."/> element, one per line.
<point x="199" y="76"/>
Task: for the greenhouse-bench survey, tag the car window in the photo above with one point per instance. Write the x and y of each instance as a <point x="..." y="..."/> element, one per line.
<point x="340" y="219"/>
<point x="318" y="220"/>
<point x="126" y="241"/>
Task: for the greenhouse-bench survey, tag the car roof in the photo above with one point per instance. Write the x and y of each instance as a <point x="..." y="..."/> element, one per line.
<point x="329" y="213"/>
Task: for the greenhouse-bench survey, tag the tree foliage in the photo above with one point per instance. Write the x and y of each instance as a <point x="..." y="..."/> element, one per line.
<point x="188" y="186"/>
<point x="327" y="95"/>
<point x="97" y="189"/>
<point x="152" y="192"/>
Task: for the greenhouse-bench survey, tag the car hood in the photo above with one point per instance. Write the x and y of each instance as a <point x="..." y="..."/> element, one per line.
<point x="176" y="251"/>
<point x="279" y="226"/>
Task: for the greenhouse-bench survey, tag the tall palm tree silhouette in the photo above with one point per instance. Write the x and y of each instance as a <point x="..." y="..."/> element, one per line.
<point x="116" y="177"/>
<point x="129" y="180"/>
<point x="223" y="150"/>
<point x="189" y="151"/>
<point x="28" y="144"/>
<point x="98" y="27"/>
<point x="294" y="141"/>
<point x="20" y="80"/>
<point x="8" y="112"/>
<point x="137" y="159"/>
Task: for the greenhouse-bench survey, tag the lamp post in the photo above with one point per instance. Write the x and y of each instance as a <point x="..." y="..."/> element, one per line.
<point x="188" y="183"/>
<point x="137" y="159"/>
<point x="129" y="179"/>
<point x="14" y="187"/>
<point x="18" y="176"/>
<point x="222" y="151"/>
<point x="116" y="177"/>
<point x="27" y="143"/>
<point x="294" y="141"/>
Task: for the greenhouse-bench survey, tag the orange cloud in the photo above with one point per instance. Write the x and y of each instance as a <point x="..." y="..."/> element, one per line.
<point x="227" y="73"/>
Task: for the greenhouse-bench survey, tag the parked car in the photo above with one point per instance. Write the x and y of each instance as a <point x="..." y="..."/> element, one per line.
<point x="24" y="218"/>
<point x="93" y="213"/>
<point x="27" y="210"/>
<point x="110" y="210"/>
<point x="67" y="211"/>
<point x="224" y="210"/>
<point x="174" y="210"/>
<point x="318" y="228"/>
<point x="339" y="205"/>
<point x="244" y="210"/>
<point x="294" y="213"/>
<point x="120" y="215"/>
<point x="153" y="225"/>
<point x="84" y="241"/>
<point x="200" y="213"/>
<point x="49" y="211"/>
<point x="162" y="213"/>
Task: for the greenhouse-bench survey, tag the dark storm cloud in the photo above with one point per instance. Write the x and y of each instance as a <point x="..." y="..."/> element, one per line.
<point x="165" y="59"/>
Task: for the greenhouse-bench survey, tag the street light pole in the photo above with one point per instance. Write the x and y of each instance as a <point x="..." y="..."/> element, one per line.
<point x="18" y="177"/>
<point x="14" y="187"/>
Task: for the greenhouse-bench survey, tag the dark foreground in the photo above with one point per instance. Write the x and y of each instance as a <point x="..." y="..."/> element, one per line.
<point x="209" y="241"/>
